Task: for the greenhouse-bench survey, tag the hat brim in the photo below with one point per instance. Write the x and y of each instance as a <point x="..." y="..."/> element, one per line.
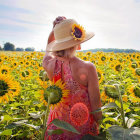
<point x="56" y="46"/>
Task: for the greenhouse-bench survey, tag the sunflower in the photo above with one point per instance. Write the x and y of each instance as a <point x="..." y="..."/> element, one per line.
<point x="118" y="67"/>
<point x="111" y="65"/>
<point x="27" y="63"/>
<point x="102" y="59"/>
<point x="133" y="65"/>
<point x="25" y="74"/>
<point x="78" y="32"/>
<point x="28" y="57"/>
<point x="111" y="58"/>
<point x="79" y="54"/>
<point x="100" y="75"/>
<point x="111" y="93"/>
<point x="21" y="62"/>
<point x="125" y="97"/>
<point x="57" y="93"/>
<point x="92" y="60"/>
<point x="4" y="69"/>
<point x="137" y="56"/>
<point x="14" y="64"/>
<point x="85" y="58"/>
<point x="134" y="91"/>
<point x="136" y="72"/>
<point x="89" y="53"/>
<point x="42" y="76"/>
<point x="8" y="88"/>
<point x="1" y="60"/>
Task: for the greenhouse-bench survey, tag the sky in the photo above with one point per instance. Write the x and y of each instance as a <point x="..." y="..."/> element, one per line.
<point x="27" y="23"/>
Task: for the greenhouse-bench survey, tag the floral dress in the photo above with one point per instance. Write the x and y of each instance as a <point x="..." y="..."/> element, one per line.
<point x="76" y="109"/>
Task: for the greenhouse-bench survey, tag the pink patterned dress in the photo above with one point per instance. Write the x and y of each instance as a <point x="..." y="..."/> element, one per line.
<point x="78" y="94"/>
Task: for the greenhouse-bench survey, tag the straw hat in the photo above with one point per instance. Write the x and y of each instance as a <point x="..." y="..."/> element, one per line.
<point x="68" y="34"/>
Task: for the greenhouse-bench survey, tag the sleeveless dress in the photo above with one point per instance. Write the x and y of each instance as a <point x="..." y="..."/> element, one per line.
<point x="78" y="94"/>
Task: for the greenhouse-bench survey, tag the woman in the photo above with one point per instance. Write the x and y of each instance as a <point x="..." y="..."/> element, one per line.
<point x="79" y="76"/>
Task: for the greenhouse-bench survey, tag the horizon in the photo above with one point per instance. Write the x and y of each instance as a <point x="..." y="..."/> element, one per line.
<point x="28" y="23"/>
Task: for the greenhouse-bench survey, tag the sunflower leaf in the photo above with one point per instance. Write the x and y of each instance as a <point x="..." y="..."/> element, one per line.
<point x="56" y="131"/>
<point x="108" y="106"/>
<point x="64" y="125"/>
<point x="36" y="116"/>
<point x="119" y="133"/>
<point x="6" y="132"/>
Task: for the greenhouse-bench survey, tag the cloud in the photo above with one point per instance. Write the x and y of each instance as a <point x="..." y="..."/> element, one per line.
<point x="115" y="23"/>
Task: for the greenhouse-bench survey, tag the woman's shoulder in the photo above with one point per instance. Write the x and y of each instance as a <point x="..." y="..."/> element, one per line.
<point x="47" y="60"/>
<point x="86" y="64"/>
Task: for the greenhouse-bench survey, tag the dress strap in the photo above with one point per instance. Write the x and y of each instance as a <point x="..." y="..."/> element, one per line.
<point x="57" y="70"/>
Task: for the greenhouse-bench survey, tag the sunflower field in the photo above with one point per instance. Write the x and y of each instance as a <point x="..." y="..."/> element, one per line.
<point x="22" y="104"/>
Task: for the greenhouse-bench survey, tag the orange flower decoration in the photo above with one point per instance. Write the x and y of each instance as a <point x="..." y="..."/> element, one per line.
<point x="79" y="114"/>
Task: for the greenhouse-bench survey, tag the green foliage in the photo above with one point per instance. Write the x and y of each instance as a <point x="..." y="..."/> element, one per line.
<point x="19" y="49"/>
<point x="29" y="49"/>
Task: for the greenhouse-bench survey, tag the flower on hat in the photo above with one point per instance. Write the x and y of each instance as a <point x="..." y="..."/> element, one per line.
<point x="78" y="32"/>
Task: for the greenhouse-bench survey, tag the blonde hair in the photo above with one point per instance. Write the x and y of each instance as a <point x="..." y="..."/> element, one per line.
<point x="68" y="53"/>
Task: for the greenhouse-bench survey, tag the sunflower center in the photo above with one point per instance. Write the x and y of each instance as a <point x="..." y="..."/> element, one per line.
<point x="138" y="71"/>
<point x="103" y="58"/>
<point x="55" y="94"/>
<point x="3" y="87"/>
<point x="78" y="32"/>
<point x="4" y="71"/>
<point x="84" y="58"/>
<point x="99" y="75"/>
<point x="119" y="67"/>
<point x="27" y="63"/>
<point x="137" y="91"/>
<point x="134" y="65"/>
<point x="25" y="74"/>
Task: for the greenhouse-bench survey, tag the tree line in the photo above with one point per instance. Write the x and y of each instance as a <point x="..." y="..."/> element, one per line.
<point x="11" y="47"/>
<point x="115" y="50"/>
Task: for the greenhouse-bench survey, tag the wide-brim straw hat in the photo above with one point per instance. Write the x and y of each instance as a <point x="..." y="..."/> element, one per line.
<point x="68" y="34"/>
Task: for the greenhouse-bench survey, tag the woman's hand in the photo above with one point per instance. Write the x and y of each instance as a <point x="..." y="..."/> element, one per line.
<point x="58" y="20"/>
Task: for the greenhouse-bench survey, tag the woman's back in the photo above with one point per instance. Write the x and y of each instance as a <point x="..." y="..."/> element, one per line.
<point x="79" y="68"/>
<point x="82" y="120"/>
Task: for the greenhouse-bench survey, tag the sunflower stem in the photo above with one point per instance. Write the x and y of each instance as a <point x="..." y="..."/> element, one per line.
<point x="45" y="119"/>
<point x="122" y="110"/>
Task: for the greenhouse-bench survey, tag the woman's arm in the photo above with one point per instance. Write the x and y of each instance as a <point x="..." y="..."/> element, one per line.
<point x="94" y="92"/>
<point x="47" y="56"/>
<point x="51" y="38"/>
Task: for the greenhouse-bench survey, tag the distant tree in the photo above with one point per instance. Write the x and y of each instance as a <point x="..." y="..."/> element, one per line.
<point x="29" y="49"/>
<point x="9" y="47"/>
<point x="1" y="48"/>
<point x="19" y="49"/>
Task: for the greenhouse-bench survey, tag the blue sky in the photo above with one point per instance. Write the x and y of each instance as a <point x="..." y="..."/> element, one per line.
<point x="27" y="23"/>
